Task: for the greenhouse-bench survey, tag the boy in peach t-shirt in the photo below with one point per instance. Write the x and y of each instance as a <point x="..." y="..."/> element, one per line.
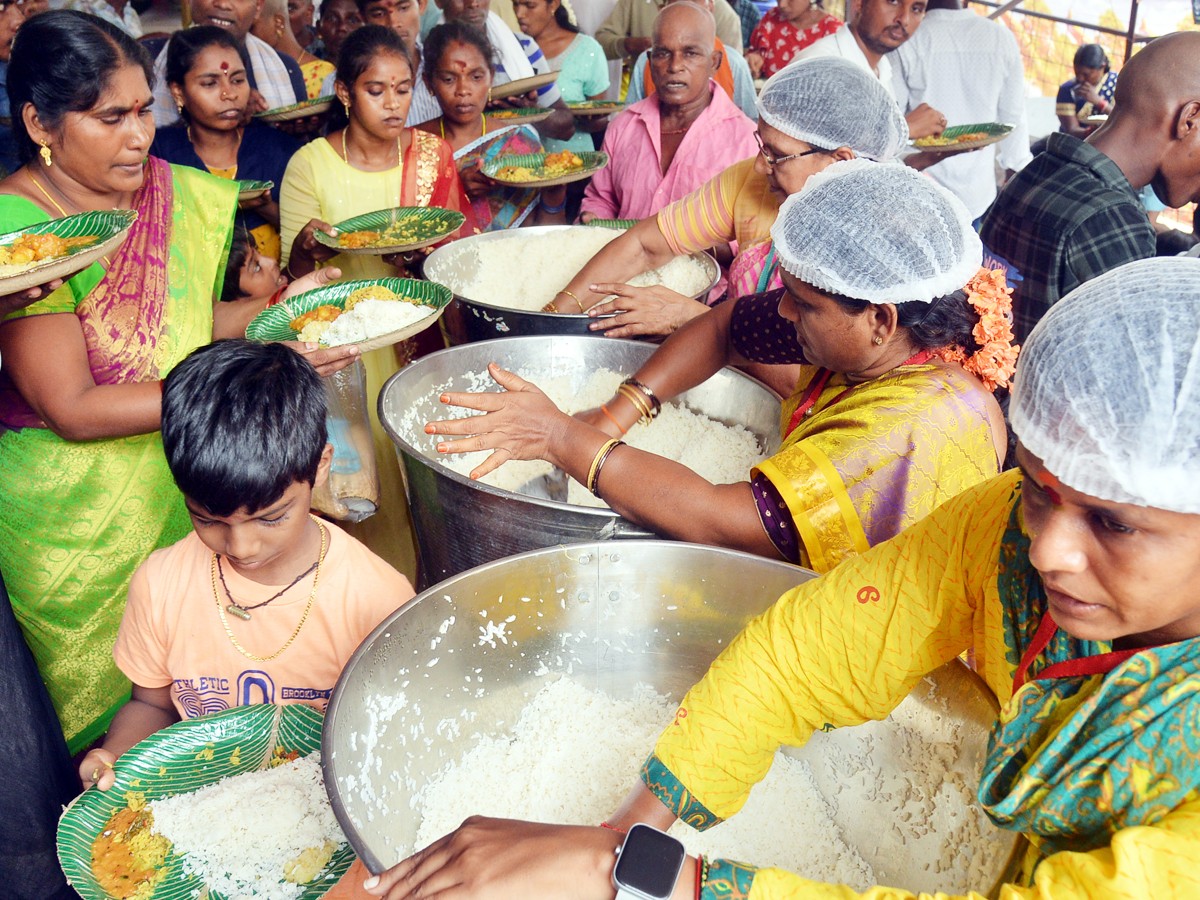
<point x="262" y="602"/>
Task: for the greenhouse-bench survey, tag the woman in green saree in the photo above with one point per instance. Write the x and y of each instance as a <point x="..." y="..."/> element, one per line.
<point x="85" y="494"/>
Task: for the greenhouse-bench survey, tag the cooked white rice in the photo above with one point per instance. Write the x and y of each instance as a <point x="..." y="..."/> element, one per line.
<point x="239" y="834"/>
<point x="373" y="318"/>
<point x="719" y="453"/>
<point x="573" y="755"/>
<point x="891" y="788"/>
<point x="526" y="271"/>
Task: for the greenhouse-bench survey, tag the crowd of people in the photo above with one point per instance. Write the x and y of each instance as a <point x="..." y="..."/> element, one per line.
<point x="989" y="385"/>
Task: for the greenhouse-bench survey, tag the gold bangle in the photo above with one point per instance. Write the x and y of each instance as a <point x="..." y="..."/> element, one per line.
<point x="639" y="402"/>
<point x="655" y="403"/>
<point x="578" y="302"/>
<point x="598" y="463"/>
<point x="643" y="410"/>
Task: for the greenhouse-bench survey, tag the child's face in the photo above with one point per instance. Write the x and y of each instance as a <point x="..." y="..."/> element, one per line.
<point x="260" y="276"/>
<point x="271" y="545"/>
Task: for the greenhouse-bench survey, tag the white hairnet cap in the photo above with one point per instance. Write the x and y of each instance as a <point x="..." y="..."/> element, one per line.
<point x="830" y="102"/>
<point x="1107" y="389"/>
<point x="877" y="232"/>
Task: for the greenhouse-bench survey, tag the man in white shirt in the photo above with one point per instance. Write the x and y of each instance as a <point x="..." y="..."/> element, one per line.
<point x="969" y="67"/>
<point x="874" y="28"/>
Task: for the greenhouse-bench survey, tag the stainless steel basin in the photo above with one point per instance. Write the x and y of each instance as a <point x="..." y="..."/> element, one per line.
<point x="469" y="319"/>
<point x="613" y="615"/>
<point x="460" y="523"/>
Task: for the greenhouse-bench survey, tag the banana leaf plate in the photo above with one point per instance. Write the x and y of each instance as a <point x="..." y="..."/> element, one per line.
<point x="596" y="107"/>
<point x="502" y="118"/>
<point x="184" y="757"/>
<point x="304" y="108"/>
<point x="615" y="224"/>
<point x="108" y="227"/>
<point x="500" y="169"/>
<point x="951" y="139"/>
<point x="275" y="322"/>
<point x="252" y="190"/>
<point x="404" y="228"/>
<point x="523" y="85"/>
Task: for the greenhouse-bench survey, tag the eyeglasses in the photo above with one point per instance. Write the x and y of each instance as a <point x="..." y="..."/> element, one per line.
<point x="774" y="161"/>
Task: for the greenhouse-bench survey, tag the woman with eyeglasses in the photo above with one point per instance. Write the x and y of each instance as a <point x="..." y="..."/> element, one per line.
<point x="900" y="337"/>
<point x="811" y="115"/>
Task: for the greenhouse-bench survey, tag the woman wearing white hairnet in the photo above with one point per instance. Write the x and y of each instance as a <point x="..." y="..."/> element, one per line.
<point x="1072" y="581"/>
<point x="885" y="424"/>
<point x="811" y="115"/>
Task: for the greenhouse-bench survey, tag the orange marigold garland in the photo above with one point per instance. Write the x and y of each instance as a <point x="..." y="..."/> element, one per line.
<point x="996" y="359"/>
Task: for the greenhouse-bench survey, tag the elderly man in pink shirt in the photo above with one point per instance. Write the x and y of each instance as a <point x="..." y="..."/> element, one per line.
<point x="664" y="147"/>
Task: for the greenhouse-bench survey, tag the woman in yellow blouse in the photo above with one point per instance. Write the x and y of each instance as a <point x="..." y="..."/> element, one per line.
<point x="1071" y="580"/>
<point x="371" y="162"/>
<point x="810" y="116"/>
<point x="885" y="424"/>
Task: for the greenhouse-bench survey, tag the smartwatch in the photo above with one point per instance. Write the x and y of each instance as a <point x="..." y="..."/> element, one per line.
<point x="648" y="864"/>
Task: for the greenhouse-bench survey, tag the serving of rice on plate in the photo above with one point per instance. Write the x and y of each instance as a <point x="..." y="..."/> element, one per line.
<point x="370" y="313"/>
<point x="231" y="805"/>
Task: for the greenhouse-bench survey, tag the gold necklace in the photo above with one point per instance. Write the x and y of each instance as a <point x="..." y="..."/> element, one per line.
<point x="442" y="126"/>
<point x="55" y="204"/>
<point x="399" y="154"/>
<point x="312" y="597"/>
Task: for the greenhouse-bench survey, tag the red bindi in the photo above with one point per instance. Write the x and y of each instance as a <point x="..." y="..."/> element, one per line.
<point x="1051" y="486"/>
<point x="224" y="67"/>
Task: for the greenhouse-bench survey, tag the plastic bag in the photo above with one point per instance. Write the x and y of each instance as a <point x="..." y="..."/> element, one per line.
<point x="351" y="493"/>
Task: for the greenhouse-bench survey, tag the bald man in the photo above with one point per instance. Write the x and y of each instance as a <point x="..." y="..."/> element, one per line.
<point x="733" y="74"/>
<point x="686" y="132"/>
<point x="1074" y="213"/>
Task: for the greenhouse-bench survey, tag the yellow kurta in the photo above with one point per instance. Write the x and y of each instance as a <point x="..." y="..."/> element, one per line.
<point x="822" y="655"/>
<point x="320" y="185"/>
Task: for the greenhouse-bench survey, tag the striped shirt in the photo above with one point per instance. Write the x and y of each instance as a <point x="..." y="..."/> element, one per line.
<point x="519" y="56"/>
<point x="737" y="205"/>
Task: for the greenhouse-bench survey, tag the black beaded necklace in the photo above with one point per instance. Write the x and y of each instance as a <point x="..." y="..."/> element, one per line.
<point x="243" y="612"/>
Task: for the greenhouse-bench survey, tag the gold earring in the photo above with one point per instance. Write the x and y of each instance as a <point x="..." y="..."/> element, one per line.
<point x="45" y="154"/>
<point x="179" y="106"/>
<point x="346" y="103"/>
<point x="878" y="340"/>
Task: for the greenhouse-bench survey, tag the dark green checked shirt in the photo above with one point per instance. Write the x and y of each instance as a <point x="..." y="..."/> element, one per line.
<point x="1068" y="216"/>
